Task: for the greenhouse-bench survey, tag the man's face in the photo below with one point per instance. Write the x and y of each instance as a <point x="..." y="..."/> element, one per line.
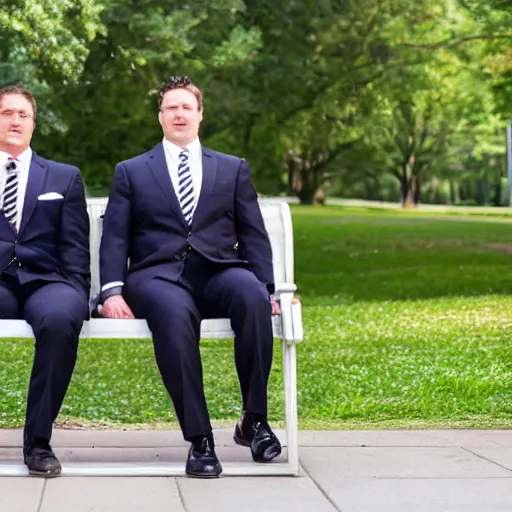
<point x="16" y="124"/>
<point x="180" y="116"/>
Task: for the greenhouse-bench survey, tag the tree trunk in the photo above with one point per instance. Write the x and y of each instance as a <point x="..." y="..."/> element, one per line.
<point x="416" y="189"/>
<point x="453" y="192"/>
<point x="290" y="175"/>
<point x="308" y="184"/>
<point x="498" y="192"/>
<point x="404" y="186"/>
<point x="410" y="191"/>
<point x="306" y="195"/>
<point x="377" y="187"/>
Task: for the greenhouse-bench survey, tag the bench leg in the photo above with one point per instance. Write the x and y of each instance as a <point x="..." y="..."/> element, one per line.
<point x="290" y="391"/>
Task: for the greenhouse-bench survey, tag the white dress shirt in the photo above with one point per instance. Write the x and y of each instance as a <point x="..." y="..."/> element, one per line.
<point x="195" y="162"/>
<point x="172" y="158"/>
<point x="23" y="166"/>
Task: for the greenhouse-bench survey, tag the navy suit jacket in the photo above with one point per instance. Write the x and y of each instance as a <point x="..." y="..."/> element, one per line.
<point x="144" y="223"/>
<point x="53" y="240"/>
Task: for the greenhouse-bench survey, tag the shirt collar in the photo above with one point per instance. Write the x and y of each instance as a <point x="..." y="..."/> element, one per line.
<point x="23" y="158"/>
<point x="175" y="150"/>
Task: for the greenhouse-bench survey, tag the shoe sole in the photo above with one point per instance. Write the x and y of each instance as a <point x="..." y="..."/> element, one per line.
<point x="193" y="475"/>
<point x="43" y="475"/>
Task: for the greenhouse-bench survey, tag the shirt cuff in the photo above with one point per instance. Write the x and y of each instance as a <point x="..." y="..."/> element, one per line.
<point x="112" y="284"/>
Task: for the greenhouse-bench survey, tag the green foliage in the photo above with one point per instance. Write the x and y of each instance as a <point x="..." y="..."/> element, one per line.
<point x="315" y="94"/>
<point x="112" y="111"/>
<point x="238" y="49"/>
<point x="50" y="34"/>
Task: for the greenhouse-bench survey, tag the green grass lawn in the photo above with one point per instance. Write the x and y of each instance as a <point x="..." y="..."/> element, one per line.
<point x="407" y="318"/>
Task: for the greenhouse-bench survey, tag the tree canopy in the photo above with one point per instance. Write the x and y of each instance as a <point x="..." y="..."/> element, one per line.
<point x="386" y="99"/>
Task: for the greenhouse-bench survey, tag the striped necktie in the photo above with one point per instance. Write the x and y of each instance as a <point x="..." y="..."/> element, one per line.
<point x="185" y="187"/>
<point x="10" y="193"/>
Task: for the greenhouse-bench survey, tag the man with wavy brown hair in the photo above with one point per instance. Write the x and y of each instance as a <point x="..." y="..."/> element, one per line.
<point x="188" y="220"/>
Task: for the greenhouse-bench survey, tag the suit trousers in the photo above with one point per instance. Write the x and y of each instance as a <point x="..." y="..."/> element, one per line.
<point x="56" y="312"/>
<point x="174" y="312"/>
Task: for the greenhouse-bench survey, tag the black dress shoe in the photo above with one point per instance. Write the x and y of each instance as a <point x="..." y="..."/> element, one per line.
<point x="41" y="460"/>
<point x="202" y="461"/>
<point x="255" y="432"/>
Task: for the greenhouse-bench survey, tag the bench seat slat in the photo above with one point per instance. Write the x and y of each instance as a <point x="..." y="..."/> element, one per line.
<point x="125" y="329"/>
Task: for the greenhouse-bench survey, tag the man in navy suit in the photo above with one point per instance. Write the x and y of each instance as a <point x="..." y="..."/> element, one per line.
<point x="44" y="267"/>
<point x="188" y="220"/>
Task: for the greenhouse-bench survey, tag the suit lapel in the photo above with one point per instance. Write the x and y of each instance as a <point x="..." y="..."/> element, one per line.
<point x="5" y="226"/>
<point x="36" y="178"/>
<point x="158" y="166"/>
<point x="208" y="181"/>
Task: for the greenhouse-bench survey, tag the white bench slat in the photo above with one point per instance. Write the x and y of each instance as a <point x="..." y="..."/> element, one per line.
<point x="127" y="329"/>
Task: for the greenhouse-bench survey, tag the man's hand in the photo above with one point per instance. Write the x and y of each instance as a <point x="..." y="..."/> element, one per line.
<point x="276" y="310"/>
<point x="116" y="307"/>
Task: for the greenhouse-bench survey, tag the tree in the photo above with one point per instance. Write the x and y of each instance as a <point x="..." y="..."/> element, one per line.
<point x="48" y="36"/>
<point x="46" y="41"/>
<point x="111" y="111"/>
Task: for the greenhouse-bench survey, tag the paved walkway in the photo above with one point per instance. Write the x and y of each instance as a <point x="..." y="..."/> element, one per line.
<point x="348" y="471"/>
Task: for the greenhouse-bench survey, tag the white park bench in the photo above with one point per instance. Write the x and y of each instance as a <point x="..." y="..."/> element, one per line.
<point x="287" y="327"/>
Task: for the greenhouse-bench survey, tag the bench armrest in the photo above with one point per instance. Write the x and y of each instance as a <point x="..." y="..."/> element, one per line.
<point x="284" y="288"/>
<point x="291" y="313"/>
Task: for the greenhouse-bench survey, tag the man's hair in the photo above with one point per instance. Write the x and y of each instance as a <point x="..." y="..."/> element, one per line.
<point x="16" y="89"/>
<point x="180" y="82"/>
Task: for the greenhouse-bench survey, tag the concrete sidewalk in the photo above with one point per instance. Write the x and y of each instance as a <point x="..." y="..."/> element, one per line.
<point x="348" y="471"/>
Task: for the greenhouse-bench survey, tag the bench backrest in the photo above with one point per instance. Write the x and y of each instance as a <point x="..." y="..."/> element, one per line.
<point x="278" y="222"/>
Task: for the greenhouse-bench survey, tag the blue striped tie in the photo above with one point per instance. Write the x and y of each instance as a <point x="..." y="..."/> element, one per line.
<point x="185" y="187"/>
<point x="10" y="193"/>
